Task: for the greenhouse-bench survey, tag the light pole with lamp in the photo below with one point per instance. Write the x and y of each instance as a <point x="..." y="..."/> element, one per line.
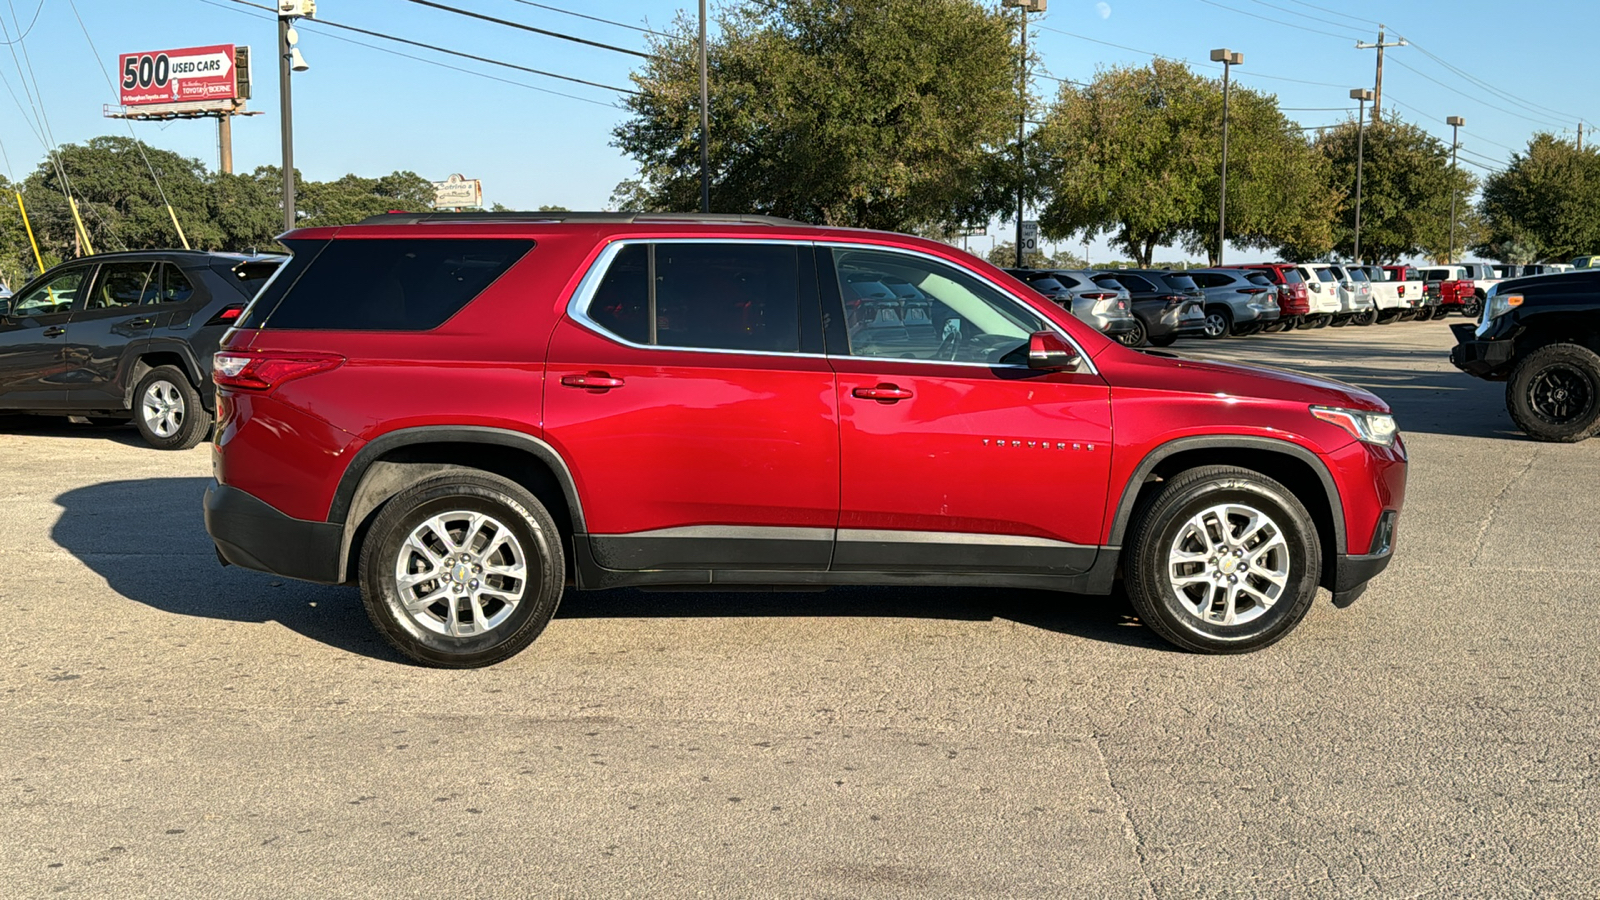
<point x="1455" y="123"/>
<point x="1229" y="59"/>
<point x="289" y="58"/>
<point x="1363" y="95"/>
<point x="1025" y="6"/>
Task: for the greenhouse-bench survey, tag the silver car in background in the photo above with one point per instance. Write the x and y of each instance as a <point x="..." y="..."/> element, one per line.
<point x="1356" y="305"/>
<point x="1105" y="305"/>
<point x="1238" y="301"/>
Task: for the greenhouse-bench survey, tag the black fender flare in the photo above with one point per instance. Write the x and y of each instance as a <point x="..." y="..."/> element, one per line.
<point x="1130" y="489"/>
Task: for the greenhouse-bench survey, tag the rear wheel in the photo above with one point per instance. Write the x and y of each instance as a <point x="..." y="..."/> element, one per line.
<point x="1135" y="336"/>
<point x="1219" y="321"/>
<point x="1473" y="306"/>
<point x="1365" y="318"/>
<point x="1224" y="560"/>
<point x="167" y="410"/>
<point x="1554" y="393"/>
<point x="462" y="570"/>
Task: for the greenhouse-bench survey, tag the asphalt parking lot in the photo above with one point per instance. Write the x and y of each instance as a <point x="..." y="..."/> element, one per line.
<point x="173" y="728"/>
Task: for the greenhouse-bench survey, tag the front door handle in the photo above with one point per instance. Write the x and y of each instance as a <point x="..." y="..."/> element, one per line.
<point x="594" y="381"/>
<point x="141" y="323"/>
<point x="54" y="331"/>
<point x="883" y="393"/>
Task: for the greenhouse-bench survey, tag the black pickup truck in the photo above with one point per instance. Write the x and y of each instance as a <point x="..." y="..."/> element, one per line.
<point x="1541" y="336"/>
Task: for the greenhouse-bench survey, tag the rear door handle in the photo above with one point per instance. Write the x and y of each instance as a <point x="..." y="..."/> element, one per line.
<point x="594" y="381"/>
<point x="54" y="331"/>
<point x="883" y="393"/>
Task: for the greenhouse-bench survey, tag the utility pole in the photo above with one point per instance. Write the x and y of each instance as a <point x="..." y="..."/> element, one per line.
<point x="705" y="120"/>
<point x="1377" y="88"/>
<point x="1229" y="59"/>
<point x="1363" y="95"/>
<point x="1024" y="7"/>
<point x="289" y="60"/>
<point x="1580" y="134"/>
<point x="1455" y="123"/>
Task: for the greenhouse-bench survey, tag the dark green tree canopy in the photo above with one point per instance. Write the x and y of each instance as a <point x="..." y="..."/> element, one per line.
<point x="873" y="113"/>
<point x="1544" y="205"/>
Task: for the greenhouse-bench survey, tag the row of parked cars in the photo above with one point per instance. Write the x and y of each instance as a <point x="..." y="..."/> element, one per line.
<point x="1158" y="306"/>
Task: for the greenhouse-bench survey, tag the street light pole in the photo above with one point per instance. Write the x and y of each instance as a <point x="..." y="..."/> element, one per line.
<point x="1361" y="136"/>
<point x="1024" y="7"/>
<point x="289" y="61"/>
<point x="1455" y="123"/>
<point x="705" y="120"/>
<point x="1229" y="59"/>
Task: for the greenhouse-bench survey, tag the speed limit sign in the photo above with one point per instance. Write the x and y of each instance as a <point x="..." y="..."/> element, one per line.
<point x="1030" y="236"/>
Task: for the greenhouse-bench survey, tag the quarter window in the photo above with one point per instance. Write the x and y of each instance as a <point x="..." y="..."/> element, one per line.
<point x="905" y="307"/>
<point x="175" y="286"/>
<point x="703" y="296"/>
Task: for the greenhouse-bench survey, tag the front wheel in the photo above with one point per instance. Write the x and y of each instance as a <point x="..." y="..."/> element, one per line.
<point x="167" y="410"/>
<point x="1223" y="560"/>
<point x="1133" y="337"/>
<point x="1472" y="307"/>
<point x="1554" y="393"/>
<point x="462" y="570"/>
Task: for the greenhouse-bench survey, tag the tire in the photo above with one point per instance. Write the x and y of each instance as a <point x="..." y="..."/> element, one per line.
<point x="1364" y="318"/>
<point x="1554" y="393"/>
<point x="1219" y="322"/>
<point x="508" y="612"/>
<point x="1339" y="321"/>
<point x="1308" y="322"/>
<point x="1166" y="340"/>
<point x="1285" y="554"/>
<point x="1134" y="337"/>
<point x="167" y="410"/>
<point x="1472" y="307"/>
<point x="1323" y="322"/>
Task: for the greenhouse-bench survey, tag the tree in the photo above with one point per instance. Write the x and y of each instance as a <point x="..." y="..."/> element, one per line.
<point x="1544" y="205"/>
<point x="1137" y="155"/>
<point x="353" y="198"/>
<point x="873" y="113"/>
<point x="1004" y="254"/>
<point x="1406" y="186"/>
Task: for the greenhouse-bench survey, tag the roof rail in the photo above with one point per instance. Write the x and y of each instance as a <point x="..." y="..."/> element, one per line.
<point x="624" y="218"/>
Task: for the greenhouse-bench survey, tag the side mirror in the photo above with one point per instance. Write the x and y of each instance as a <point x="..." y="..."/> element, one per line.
<point x="1050" y="352"/>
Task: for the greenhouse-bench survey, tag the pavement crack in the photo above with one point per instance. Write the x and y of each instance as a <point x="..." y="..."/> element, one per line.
<point x="1494" y="508"/>
<point x="1129" y="830"/>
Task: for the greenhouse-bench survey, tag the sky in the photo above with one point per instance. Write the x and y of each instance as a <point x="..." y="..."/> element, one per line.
<point x="536" y="140"/>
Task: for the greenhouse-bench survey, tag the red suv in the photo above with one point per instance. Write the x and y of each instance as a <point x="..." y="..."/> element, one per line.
<point x="465" y="413"/>
<point x="1294" y="301"/>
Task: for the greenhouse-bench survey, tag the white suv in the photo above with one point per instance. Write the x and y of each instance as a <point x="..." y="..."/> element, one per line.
<point x="1322" y="288"/>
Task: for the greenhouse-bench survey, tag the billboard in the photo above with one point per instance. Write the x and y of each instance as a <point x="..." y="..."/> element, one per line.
<point x="192" y="74"/>
<point x="458" y="192"/>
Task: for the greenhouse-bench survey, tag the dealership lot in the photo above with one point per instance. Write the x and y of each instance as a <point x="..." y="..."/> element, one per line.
<point x="176" y="728"/>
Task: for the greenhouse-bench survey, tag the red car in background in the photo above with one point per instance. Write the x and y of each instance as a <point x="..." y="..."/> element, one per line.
<point x="1294" y="301"/>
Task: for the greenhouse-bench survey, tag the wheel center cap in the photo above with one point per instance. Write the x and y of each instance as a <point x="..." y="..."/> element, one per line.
<point x="1561" y="394"/>
<point x="460" y="573"/>
<point x="1228" y="565"/>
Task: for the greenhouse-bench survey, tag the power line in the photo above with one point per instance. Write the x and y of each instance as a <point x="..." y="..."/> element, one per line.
<point x="29" y="30"/>
<point x="1300" y="14"/>
<point x="1335" y="12"/>
<point x="583" y="16"/>
<point x="1249" y="73"/>
<point x="1503" y="94"/>
<point x="1477" y="100"/>
<point x="1252" y="15"/>
<point x="438" y="49"/>
<point x="518" y="25"/>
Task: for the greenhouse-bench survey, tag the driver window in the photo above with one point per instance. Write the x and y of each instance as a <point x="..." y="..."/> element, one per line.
<point x="54" y="296"/>
<point x="899" y="306"/>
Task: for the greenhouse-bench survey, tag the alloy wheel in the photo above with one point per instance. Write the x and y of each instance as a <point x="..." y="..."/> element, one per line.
<point x="162" y="408"/>
<point x="1560" y="395"/>
<point x="460" y="574"/>
<point x="1228" y="564"/>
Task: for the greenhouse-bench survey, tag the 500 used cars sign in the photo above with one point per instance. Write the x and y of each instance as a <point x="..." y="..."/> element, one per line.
<point x="178" y="76"/>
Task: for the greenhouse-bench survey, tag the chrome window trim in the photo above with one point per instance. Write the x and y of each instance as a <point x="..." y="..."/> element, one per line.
<point x="578" y="305"/>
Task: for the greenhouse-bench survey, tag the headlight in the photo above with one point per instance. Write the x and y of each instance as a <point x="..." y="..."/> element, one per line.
<point x="1368" y="427"/>
<point x="1495" y="306"/>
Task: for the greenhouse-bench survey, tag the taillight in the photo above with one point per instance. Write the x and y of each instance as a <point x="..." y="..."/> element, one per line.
<point x="227" y="315"/>
<point x="1253" y="290"/>
<point x="1174" y="299"/>
<point x="263" y="372"/>
<point x="1099" y="296"/>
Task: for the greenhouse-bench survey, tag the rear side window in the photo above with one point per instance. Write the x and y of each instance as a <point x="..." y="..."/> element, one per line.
<point x="1131" y="282"/>
<point x="1071" y="281"/>
<point x="1291" y="276"/>
<point x="388" y="284"/>
<point x="1047" y="285"/>
<point x="1259" y="279"/>
<point x="709" y="296"/>
<point x="1180" y="282"/>
<point x="1358" y="275"/>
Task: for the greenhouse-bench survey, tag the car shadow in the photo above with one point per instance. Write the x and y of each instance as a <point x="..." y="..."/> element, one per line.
<point x="147" y="539"/>
<point x="60" y="426"/>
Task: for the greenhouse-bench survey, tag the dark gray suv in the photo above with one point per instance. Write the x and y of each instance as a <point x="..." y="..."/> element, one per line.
<point x="122" y="336"/>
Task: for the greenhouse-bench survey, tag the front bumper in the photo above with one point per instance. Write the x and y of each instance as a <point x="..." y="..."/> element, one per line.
<point x="1352" y="572"/>
<point x="1481" y="359"/>
<point x="252" y="534"/>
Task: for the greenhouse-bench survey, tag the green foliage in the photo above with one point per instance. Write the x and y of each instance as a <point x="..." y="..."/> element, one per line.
<point x="122" y="208"/>
<point x="1137" y="155"/>
<point x="1544" y="205"/>
<point x="1004" y="254"/>
<point x="1406" y="186"/>
<point x="874" y="113"/>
